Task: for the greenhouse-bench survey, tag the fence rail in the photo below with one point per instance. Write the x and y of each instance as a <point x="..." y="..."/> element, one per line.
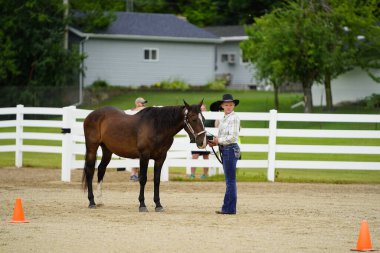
<point x="72" y="141"/>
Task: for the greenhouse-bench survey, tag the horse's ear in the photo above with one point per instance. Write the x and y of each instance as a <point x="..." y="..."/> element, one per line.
<point x="186" y="104"/>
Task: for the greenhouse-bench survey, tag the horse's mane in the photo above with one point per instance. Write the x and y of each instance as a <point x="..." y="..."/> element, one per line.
<point x="163" y="117"/>
<point x="166" y="116"/>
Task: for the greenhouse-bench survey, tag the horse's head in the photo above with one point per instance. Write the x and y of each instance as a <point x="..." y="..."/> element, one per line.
<point x="194" y="124"/>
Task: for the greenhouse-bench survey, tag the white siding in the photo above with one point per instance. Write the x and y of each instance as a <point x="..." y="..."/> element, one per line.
<point x="121" y="62"/>
<point x="242" y="74"/>
<point x="352" y="86"/>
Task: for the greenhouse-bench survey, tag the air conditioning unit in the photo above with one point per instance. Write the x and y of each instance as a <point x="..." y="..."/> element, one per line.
<point x="231" y="58"/>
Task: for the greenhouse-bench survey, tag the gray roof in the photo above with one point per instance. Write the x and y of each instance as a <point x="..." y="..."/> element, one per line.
<point x="226" y="31"/>
<point x="151" y="24"/>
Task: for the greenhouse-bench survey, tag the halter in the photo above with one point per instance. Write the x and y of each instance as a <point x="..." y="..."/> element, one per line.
<point x="201" y="132"/>
<point x="189" y="126"/>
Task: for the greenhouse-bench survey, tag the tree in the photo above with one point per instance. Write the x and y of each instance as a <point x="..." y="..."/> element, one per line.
<point x="337" y="57"/>
<point x="31" y="43"/>
<point x="361" y="20"/>
<point x="265" y="49"/>
<point x="294" y="43"/>
<point x="243" y="11"/>
<point x="308" y="42"/>
<point x="201" y="12"/>
<point x="210" y="12"/>
<point x="92" y="15"/>
<point x="349" y="20"/>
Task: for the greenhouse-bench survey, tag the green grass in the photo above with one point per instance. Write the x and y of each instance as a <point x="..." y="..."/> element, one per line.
<point x="290" y="176"/>
<point x="7" y="159"/>
<point x="40" y="160"/>
<point x="250" y="101"/>
<point x="328" y="176"/>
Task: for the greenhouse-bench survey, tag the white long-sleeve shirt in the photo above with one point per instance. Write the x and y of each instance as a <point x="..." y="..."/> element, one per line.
<point x="229" y="129"/>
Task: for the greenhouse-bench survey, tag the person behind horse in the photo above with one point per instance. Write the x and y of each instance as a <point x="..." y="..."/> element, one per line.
<point x="227" y="139"/>
<point x="196" y="153"/>
<point x="139" y="105"/>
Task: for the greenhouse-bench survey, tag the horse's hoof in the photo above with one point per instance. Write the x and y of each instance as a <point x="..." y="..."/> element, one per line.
<point x="159" y="209"/>
<point x="143" y="209"/>
<point x="92" y="206"/>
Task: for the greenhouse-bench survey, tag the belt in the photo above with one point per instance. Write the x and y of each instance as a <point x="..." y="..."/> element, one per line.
<point x="227" y="145"/>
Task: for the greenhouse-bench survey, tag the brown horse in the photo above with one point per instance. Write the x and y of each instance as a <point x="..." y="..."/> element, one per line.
<point x="146" y="135"/>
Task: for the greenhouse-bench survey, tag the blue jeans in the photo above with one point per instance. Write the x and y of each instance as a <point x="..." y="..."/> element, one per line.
<point x="230" y="155"/>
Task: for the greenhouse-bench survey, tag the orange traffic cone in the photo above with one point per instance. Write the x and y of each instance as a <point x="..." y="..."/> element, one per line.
<point x="18" y="213"/>
<point x="364" y="240"/>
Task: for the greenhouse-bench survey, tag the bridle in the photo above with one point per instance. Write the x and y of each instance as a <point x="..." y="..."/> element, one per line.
<point x="186" y="121"/>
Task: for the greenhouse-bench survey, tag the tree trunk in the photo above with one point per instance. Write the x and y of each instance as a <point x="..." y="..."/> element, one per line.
<point x="307" y="97"/>
<point x="329" y="101"/>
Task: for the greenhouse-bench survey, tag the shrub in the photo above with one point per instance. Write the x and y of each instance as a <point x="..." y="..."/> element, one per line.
<point x="100" y="84"/>
<point x="175" y="84"/>
<point x="373" y="101"/>
<point x="217" y="84"/>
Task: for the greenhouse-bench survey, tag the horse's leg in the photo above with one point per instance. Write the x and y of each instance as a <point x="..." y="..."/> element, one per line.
<point x="157" y="180"/>
<point x="106" y="158"/>
<point x="88" y="173"/>
<point x="144" y="161"/>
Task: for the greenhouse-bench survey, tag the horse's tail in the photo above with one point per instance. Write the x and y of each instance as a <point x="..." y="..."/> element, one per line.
<point x="84" y="175"/>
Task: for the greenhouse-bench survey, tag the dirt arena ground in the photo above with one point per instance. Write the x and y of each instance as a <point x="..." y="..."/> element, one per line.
<point x="272" y="217"/>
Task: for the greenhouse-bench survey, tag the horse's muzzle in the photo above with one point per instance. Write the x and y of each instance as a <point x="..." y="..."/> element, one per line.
<point x="202" y="143"/>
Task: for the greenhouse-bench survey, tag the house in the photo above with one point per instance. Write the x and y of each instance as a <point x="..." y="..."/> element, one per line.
<point x="351" y="86"/>
<point x="145" y="48"/>
<point x="229" y="60"/>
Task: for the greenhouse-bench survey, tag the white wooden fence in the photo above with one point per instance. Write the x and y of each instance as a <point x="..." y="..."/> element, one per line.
<point x="72" y="141"/>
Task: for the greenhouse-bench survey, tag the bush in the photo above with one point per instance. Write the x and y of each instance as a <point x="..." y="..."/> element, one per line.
<point x="373" y="101"/>
<point x="217" y="84"/>
<point x="100" y="84"/>
<point x="175" y="84"/>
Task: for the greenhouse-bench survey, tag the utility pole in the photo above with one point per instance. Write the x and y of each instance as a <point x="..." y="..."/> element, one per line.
<point x="129" y="5"/>
<point x="66" y="32"/>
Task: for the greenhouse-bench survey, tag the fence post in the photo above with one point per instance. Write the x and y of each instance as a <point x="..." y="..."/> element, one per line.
<point x="68" y="121"/>
<point x="188" y="167"/>
<point x="272" y="145"/>
<point x="19" y="131"/>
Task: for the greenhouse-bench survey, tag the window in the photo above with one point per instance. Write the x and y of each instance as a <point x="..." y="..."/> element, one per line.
<point x="228" y="58"/>
<point x="224" y="57"/>
<point x="150" y="54"/>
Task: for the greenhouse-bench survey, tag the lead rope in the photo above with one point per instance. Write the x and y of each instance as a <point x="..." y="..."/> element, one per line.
<point x="219" y="158"/>
<point x="216" y="155"/>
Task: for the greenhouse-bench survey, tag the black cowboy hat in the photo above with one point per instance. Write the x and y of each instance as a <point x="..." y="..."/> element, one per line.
<point x="214" y="107"/>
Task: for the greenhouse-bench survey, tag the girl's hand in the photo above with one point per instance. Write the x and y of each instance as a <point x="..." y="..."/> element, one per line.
<point x="213" y="142"/>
